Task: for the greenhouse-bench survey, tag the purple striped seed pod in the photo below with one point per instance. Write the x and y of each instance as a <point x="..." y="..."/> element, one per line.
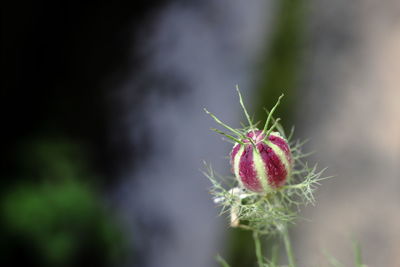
<point x="265" y="169"/>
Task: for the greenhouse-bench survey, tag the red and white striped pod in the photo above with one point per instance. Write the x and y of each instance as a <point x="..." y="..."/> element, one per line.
<point x="265" y="169"/>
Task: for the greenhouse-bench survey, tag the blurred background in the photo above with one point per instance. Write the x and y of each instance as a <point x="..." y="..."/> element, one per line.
<point x="104" y="132"/>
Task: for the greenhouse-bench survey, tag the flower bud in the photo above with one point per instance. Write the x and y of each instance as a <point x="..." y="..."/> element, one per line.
<point x="262" y="164"/>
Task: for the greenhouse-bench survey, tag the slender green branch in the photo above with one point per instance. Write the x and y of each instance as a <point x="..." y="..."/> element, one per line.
<point x="274" y="256"/>
<point x="291" y="134"/>
<point x="228" y="136"/>
<point x="251" y="126"/>
<point x="221" y="261"/>
<point x="244" y="109"/>
<point x="223" y="124"/>
<point x="272" y="127"/>
<point x="270" y="114"/>
<point x="257" y="243"/>
<point x="332" y="260"/>
<point x="357" y="255"/>
<point x="278" y="125"/>
<point x="288" y="246"/>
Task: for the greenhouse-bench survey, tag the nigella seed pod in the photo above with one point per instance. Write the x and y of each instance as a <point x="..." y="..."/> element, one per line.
<point x="262" y="164"/>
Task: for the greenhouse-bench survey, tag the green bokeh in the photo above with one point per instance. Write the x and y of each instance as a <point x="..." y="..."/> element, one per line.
<point x="57" y="211"/>
<point x="281" y="69"/>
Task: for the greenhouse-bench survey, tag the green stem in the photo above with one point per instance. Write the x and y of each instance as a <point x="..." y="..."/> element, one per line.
<point x="357" y="250"/>
<point x="288" y="246"/>
<point x="221" y="261"/>
<point x="259" y="255"/>
<point x="274" y="256"/>
<point x="270" y="114"/>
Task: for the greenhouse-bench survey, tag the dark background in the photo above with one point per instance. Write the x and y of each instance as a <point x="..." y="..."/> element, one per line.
<point x="103" y="130"/>
<point x="58" y="155"/>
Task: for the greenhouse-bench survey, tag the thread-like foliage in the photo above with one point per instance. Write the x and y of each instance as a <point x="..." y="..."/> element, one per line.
<point x="264" y="213"/>
<point x="267" y="213"/>
<point x="270" y="212"/>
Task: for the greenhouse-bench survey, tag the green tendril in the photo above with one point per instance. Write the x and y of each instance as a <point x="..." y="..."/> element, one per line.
<point x="270" y="114"/>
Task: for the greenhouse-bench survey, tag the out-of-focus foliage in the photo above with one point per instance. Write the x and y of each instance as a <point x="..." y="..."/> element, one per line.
<point x="57" y="218"/>
<point x="61" y="154"/>
<point x="280" y="69"/>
